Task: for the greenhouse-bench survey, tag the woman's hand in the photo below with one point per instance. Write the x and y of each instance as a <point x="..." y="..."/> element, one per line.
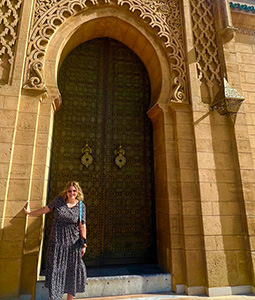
<point x="27" y="210"/>
<point x="38" y="212"/>
<point x="83" y="250"/>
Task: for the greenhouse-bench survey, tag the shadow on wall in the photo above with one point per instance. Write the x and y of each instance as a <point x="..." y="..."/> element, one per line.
<point x="19" y="252"/>
<point x="227" y="209"/>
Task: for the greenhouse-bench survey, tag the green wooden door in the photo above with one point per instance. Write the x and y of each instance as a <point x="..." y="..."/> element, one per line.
<point x="106" y="92"/>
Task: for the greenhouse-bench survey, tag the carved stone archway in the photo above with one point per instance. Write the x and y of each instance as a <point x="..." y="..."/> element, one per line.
<point x="132" y="35"/>
<point x="164" y="62"/>
<point x="161" y="18"/>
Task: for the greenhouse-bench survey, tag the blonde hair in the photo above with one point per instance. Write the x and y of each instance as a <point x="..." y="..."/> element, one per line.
<point x="76" y="185"/>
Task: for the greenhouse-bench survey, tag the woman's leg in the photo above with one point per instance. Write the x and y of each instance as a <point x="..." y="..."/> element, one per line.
<point x="69" y="297"/>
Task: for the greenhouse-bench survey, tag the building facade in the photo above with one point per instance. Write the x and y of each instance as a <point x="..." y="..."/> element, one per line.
<point x="178" y="75"/>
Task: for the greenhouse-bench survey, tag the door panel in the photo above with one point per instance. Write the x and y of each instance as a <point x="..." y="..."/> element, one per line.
<point x="105" y="91"/>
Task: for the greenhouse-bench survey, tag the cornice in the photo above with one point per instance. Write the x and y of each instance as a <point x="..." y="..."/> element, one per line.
<point x="243" y="16"/>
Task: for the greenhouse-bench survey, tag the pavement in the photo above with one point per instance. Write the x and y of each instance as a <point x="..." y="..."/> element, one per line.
<point x="149" y="269"/>
<point x="171" y="296"/>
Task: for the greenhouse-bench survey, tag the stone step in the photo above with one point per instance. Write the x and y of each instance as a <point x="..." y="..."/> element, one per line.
<point x="116" y="285"/>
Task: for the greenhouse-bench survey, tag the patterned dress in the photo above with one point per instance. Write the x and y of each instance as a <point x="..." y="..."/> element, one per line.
<point x="65" y="269"/>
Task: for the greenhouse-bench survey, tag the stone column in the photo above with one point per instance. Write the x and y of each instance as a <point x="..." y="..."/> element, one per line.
<point x="223" y="229"/>
<point x="190" y="210"/>
<point x="33" y="240"/>
<point x="22" y="236"/>
<point x="169" y="231"/>
<point x="19" y="186"/>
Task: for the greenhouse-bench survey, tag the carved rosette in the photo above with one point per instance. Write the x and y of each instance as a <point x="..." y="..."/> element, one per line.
<point x="163" y="16"/>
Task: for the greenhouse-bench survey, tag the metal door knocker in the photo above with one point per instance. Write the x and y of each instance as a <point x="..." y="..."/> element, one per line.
<point x="87" y="158"/>
<point x="120" y="159"/>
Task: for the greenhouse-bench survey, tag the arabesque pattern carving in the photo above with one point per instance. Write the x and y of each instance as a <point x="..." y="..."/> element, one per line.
<point x="161" y="15"/>
<point x="205" y="44"/>
<point x="9" y="20"/>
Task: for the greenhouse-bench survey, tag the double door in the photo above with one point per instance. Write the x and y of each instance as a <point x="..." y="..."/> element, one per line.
<point x="103" y="139"/>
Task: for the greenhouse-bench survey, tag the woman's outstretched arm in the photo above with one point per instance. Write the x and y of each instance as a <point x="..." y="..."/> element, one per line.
<point x="38" y="212"/>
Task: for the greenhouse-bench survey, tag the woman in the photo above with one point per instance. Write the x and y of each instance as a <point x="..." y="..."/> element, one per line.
<point x="65" y="270"/>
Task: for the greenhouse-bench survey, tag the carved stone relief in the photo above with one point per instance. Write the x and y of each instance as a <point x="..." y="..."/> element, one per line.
<point x="9" y="20"/>
<point x="163" y="16"/>
<point x="206" y="49"/>
<point x="246" y="31"/>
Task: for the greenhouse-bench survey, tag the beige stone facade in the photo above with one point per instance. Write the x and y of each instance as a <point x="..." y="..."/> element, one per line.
<point x="204" y="149"/>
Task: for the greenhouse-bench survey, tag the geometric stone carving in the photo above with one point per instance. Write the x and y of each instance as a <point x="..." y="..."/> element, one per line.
<point x="246" y="31"/>
<point x="227" y="101"/>
<point x="163" y="16"/>
<point x="205" y="44"/>
<point x="9" y="20"/>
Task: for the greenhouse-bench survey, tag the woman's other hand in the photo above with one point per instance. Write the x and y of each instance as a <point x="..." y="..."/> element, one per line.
<point x="83" y="251"/>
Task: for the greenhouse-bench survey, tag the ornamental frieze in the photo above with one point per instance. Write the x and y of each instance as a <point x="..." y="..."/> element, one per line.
<point x="161" y="15"/>
<point x="9" y="21"/>
<point x="246" y="31"/>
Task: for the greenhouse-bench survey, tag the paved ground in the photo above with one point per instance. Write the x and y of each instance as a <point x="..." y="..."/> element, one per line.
<point x="170" y="297"/>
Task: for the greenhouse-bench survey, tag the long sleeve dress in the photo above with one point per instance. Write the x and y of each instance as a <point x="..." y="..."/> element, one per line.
<point x="65" y="269"/>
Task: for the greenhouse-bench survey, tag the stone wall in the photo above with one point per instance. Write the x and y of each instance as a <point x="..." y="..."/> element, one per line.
<point x="239" y="57"/>
<point x="204" y="162"/>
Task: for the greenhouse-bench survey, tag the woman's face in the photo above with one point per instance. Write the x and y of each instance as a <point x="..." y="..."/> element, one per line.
<point x="72" y="192"/>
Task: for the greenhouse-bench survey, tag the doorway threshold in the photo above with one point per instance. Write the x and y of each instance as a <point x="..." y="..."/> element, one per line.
<point x="117" y="281"/>
<point x="135" y="269"/>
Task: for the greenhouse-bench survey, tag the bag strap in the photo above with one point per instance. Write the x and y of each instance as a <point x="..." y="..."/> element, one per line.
<point x="80" y="211"/>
